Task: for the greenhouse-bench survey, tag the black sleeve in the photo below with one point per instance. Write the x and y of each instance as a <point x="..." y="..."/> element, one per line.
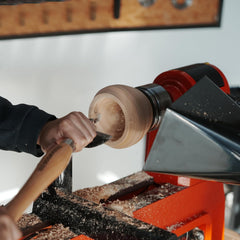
<point x="20" y="126"/>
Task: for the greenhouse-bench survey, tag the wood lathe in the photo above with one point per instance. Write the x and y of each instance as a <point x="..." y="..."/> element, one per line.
<point x="192" y="127"/>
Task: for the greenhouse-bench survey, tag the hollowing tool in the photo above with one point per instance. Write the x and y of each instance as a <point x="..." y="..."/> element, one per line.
<point x="99" y="139"/>
<point x="54" y="162"/>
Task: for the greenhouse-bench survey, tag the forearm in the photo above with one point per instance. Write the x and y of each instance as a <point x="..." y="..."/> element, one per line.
<point x="20" y="126"/>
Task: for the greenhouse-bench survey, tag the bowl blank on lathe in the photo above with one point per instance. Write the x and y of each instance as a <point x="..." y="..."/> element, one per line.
<point x="123" y="112"/>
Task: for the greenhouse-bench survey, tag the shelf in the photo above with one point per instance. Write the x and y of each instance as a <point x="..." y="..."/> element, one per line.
<point x="81" y="16"/>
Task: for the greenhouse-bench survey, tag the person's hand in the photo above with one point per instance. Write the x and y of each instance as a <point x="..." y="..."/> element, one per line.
<point x="8" y="229"/>
<point x="75" y="126"/>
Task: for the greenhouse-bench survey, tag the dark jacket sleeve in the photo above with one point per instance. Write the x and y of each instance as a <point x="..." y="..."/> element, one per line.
<point x="20" y="126"/>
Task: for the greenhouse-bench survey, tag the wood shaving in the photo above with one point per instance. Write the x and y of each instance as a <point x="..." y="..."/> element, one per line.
<point x="144" y="199"/>
<point x="58" y="231"/>
<point x="102" y="193"/>
<point x="28" y="220"/>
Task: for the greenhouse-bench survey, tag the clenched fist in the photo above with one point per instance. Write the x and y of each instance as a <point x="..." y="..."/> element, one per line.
<point x="75" y="126"/>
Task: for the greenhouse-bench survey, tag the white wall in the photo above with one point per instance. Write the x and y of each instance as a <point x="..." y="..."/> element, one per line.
<point x="62" y="74"/>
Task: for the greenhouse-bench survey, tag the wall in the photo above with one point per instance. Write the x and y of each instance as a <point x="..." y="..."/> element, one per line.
<point x="62" y="74"/>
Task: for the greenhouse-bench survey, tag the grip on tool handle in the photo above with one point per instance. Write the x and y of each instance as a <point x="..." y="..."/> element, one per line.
<point x="47" y="170"/>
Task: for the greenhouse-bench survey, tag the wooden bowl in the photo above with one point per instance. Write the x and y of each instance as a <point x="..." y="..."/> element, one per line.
<point x="123" y="112"/>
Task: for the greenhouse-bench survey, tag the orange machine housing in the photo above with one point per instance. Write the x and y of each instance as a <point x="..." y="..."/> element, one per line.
<point x="202" y="203"/>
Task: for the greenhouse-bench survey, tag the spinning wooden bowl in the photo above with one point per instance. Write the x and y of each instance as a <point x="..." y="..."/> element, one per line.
<point x="123" y="112"/>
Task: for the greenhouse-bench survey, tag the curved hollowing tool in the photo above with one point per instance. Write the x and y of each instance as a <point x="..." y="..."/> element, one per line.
<point x="48" y="169"/>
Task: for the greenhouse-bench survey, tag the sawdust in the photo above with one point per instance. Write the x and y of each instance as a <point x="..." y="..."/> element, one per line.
<point x="175" y="226"/>
<point x="146" y="198"/>
<point x="105" y="211"/>
<point x="28" y="220"/>
<point x="58" y="231"/>
<point x="102" y="193"/>
<point x="97" y="220"/>
<point x="105" y="192"/>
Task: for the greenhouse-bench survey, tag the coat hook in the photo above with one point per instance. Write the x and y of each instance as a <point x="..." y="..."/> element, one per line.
<point x="21" y="18"/>
<point x="146" y="3"/>
<point x="45" y="16"/>
<point x="93" y="10"/>
<point x="181" y="4"/>
<point x="69" y="14"/>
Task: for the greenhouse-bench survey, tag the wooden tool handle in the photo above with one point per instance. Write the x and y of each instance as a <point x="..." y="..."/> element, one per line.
<point x="47" y="170"/>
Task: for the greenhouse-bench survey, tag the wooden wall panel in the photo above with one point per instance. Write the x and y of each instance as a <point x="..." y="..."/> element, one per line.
<point x="97" y="15"/>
